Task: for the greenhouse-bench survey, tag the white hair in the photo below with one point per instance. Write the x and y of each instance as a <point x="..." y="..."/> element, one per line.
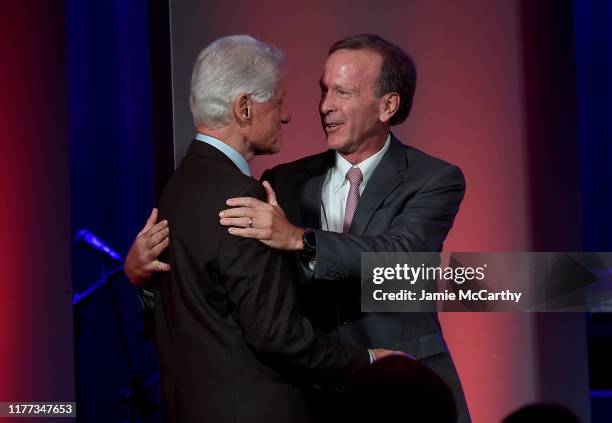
<point x="227" y="68"/>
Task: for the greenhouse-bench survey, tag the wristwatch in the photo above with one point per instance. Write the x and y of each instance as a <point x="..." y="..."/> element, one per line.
<point x="310" y="241"/>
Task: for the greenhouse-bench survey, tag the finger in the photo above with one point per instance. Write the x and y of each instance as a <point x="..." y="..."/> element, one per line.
<point x="245" y="202"/>
<point x="157" y="250"/>
<point x="159" y="236"/>
<point x="160" y="266"/>
<point x="248" y="232"/>
<point x="160" y="226"/>
<point x="270" y="193"/>
<point x="241" y="222"/>
<point x="150" y="222"/>
<point x="237" y="212"/>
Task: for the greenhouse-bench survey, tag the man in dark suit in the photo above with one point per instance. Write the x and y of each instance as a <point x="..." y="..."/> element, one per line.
<point x="407" y="201"/>
<point x="368" y="193"/>
<point x="227" y="326"/>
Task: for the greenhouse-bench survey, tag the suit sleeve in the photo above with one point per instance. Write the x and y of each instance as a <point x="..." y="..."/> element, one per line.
<point x="306" y="264"/>
<point x="268" y="175"/>
<point x="421" y="225"/>
<point x="261" y="283"/>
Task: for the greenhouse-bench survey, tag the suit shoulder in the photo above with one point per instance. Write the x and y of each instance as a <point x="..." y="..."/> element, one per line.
<point x="201" y="174"/>
<point x="416" y="157"/>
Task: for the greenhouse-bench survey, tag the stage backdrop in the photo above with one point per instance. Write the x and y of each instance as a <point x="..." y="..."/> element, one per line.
<point x="495" y="95"/>
<point x="36" y="348"/>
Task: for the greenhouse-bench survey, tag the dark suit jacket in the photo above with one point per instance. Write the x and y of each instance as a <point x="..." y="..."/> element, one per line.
<point x="228" y="330"/>
<point x="409" y="205"/>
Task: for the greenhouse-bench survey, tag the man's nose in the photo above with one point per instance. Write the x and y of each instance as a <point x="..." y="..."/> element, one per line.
<point x="285" y="117"/>
<point x="326" y="104"/>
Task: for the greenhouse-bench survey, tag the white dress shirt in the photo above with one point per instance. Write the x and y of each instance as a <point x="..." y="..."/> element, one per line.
<point x="336" y="187"/>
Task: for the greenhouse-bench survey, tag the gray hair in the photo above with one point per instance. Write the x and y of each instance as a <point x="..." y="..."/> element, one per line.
<point x="227" y="68"/>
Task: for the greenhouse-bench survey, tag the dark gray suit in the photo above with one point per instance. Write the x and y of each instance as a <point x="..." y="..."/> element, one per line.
<point x="409" y="205"/>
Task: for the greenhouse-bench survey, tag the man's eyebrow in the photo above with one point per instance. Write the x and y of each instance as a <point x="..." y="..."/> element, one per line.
<point x="345" y="87"/>
<point x="339" y="87"/>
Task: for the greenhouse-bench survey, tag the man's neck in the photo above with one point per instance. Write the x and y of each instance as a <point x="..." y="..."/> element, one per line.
<point x="230" y="136"/>
<point x="366" y="149"/>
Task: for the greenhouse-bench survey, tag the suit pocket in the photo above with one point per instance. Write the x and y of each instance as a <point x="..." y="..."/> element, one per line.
<point x="423" y="346"/>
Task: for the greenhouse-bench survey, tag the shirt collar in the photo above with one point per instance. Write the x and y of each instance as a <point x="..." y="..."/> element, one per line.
<point x="367" y="166"/>
<point x="232" y="154"/>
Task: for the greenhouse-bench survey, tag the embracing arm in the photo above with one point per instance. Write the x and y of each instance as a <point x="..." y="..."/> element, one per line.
<point x="261" y="285"/>
<point x="420" y="225"/>
<point x="261" y="282"/>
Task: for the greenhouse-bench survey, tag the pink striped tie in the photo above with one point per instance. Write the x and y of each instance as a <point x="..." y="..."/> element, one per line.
<point x="355" y="177"/>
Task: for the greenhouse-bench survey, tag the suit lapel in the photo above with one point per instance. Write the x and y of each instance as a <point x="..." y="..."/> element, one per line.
<point x="383" y="181"/>
<point x="310" y="193"/>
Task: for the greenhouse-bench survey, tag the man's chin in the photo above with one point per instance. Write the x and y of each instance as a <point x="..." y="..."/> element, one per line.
<point x="267" y="151"/>
<point x="336" y="143"/>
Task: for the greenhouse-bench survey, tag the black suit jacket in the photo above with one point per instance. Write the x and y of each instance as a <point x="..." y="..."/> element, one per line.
<point x="228" y="330"/>
<point x="409" y="205"/>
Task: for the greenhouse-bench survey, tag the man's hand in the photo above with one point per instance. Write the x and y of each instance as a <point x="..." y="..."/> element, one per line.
<point x="379" y="354"/>
<point x="252" y="218"/>
<point x="141" y="261"/>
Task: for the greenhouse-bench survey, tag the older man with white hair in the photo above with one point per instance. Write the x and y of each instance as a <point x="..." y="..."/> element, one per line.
<point x="227" y="328"/>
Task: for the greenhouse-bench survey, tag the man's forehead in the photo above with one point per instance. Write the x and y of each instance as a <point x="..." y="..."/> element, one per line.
<point x="279" y="91"/>
<point x="351" y="68"/>
<point x="355" y="55"/>
<point x="352" y="63"/>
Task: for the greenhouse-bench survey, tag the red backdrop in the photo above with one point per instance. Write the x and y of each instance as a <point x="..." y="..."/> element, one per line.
<point x="36" y="349"/>
<point x="474" y="107"/>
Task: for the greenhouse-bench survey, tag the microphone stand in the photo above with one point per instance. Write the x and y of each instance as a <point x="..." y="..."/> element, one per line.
<point x="133" y="398"/>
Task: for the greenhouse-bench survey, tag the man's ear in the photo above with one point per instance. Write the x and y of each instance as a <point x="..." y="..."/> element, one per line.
<point x="389" y="103"/>
<point x="243" y="109"/>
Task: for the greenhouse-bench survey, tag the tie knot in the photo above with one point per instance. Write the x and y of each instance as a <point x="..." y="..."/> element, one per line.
<point x="354" y="175"/>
